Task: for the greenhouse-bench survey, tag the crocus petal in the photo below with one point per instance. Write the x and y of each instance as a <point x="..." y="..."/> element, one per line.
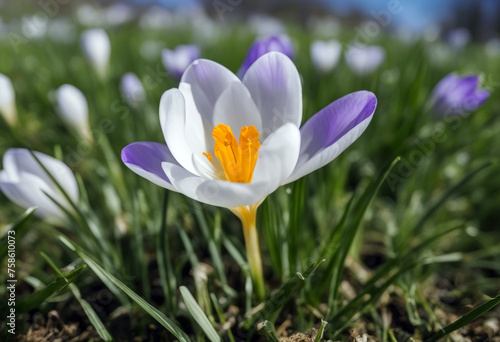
<point x="145" y="158"/>
<point x="31" y="191"/>
<point x="329" y="132"/>
<point x="182" y="129"/>
<point x="73" y="109"/>
<point x="10" y="190"/>
<point x="325" y="54"/>
<point x="202" y="84"/>
<point x="19" y="160"/>
<point x="280" y="43"/>
<point x="277" y="157"/>
<point x="274" y="82"/>
<point x="215" y="192"/>
<point x="455" y="95"/>
<point x="236" y="108"/>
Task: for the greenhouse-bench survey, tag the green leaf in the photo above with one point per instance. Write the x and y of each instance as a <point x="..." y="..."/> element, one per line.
<point x="321" y="331"/>
<point x="437" y="204"/>
<point x="34" y="301"/>
<point x="19" y="228"/>
<point x="281" y="297"/>
<point x="89" y="311"/>
<point x="108" y="278"/>
<point x="198" y="315"/>
<point x="267" y="329"/>
<point x="349" y="234"/>
<point x="91" y="314"/>
<point x="465" y="319"/>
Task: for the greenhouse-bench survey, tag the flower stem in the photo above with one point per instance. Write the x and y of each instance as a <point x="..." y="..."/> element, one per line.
<point x="248" y="217"/>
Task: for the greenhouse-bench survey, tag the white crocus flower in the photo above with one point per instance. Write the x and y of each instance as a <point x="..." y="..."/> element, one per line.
<point x="24" y="181"/>
<point x="73" y="109"/>
<point x="97" y="49"/>
<point x="231" y="142"/>
<point x="7" y="100"/>
<point x="325" y="54"/>
<point x="364" y="59"/>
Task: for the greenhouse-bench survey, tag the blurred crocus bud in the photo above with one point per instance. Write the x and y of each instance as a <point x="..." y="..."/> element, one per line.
<point x="364" y="59"/>
<point x="455" y="95"/>
<point x="261" y="46"/>
<point x="459" y="38"/>
<point x="132" y="90"/>
<point x="7" y="100"/>
<point x="325" y="54"/>
<point x="177" y="60"/>
<point x="24" y="181"/>
<point x="73" y="109"/>
<point x="97" y="49"/>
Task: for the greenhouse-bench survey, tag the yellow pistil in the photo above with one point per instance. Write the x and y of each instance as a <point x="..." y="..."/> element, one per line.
<point x="237" y="159"/>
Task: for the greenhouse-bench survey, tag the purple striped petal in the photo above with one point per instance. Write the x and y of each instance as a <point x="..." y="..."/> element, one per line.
<point x="262" y="46"/>
<point x="330" y="131"/>
<point x="145" y="158"/>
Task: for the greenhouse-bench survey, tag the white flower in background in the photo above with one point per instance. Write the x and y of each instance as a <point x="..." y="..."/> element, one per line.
<point x="97" y="49"/>
<point x="156" y="18"/>
<point x="73" y="109"/>
<point x="7" y="100"/>
<point x="458" y="38"/>
<point x="132" y="90"/>
<point x="88" y="15"/>
<point x="27" y="184"/>
<point x="364" y="59"/>
<point x="493" y="47"/>
<point x="33" y="26"/>
<point x="177" y="60"/>
<point x="264" y="25"/>
<point x="325" y="54"/>
<point x="118" y="14"/>
<point x="62" y="30"/>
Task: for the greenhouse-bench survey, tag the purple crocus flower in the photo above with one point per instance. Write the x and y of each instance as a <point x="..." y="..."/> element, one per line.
<point x="455" y="95"/>
<point x="177" y="60"/>
<point x="261" y="46"/>
<point x="204" y="160"/>
<point x="132" y="90"/>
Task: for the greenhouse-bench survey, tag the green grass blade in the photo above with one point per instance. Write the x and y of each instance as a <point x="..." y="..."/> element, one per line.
<point x="465" y="319"/>
<point x="34" y="301"/>
<point x="91" y="314"/>
<point x="107" y="278"/>
<point x="281" y="297"/>
<point x="321" y="331"/>
<point x="87" y="308"/>
<point x="267" y="329"/>
<point x="198" y="315"/>
<point x="438" y="203"/>
<point x="19" y="228"/>
<point x="350" y="233"/>
<point x="221" y="317"/>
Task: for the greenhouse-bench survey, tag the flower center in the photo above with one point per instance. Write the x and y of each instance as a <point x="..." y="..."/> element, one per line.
<point x="238" y="159"/>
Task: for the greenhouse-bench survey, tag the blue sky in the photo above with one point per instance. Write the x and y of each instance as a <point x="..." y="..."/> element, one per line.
<point x="416" y="14"/>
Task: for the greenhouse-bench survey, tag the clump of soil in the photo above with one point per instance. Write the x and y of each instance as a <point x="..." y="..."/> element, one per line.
<point x="53" y="328"/>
